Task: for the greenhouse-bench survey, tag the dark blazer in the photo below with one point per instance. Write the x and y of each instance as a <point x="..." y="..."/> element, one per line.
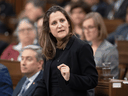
<point x="78" y="55"/>
<point x="121" y="13"/>
<point x="31" y="89"/>
<point x="6" y="87"/>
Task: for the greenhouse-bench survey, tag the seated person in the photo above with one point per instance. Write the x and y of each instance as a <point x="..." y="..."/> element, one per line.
<point x="78" y="12"/>
<point x="117" y="9"/>
<point x="6" y="87"/>
<point x="99" y="6"/>
<point x="26" y="33"/>
<point x="34" y="9"/>
<point x="31" y="67"/>
<point x="121" y="30"/>
<point x="95" y="32"/>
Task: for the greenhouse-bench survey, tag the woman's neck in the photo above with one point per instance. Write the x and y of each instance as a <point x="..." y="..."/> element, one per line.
<point x="95" y="45"/>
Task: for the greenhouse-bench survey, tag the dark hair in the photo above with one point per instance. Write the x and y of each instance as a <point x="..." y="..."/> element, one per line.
<point x="47" y="40"/>
<point x="37" y="3"/>
<point x="80" y="4"/>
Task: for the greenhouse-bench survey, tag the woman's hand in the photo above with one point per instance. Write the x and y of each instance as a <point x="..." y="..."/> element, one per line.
<point x="65" y="71"/>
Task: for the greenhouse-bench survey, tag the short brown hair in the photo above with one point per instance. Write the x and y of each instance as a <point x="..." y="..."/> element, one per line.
<point x="98" y="21"/>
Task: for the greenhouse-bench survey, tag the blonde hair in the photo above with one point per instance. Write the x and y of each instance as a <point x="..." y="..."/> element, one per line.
<point x="99" y="23"/>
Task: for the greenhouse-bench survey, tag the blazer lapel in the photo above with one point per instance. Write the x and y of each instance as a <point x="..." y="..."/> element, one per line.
<point x="34" y="84"/>
<point x="30" y="89"/>
<point x="48" y="73"/>
<point x="19" y="86"/>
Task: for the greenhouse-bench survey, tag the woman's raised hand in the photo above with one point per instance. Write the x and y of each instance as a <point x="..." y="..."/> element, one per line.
<point x="65" y="71"/>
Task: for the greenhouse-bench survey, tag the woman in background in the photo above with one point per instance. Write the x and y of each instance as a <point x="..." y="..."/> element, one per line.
<point x="103" y="51"/>
<point x="26" y="33"/>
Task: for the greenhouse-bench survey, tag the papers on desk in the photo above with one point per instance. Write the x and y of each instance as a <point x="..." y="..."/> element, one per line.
<point x="116" y="85"/>
<point x="125" y="82"/>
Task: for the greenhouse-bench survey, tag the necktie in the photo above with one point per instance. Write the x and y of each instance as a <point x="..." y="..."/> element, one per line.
<point x="24" y="88"/>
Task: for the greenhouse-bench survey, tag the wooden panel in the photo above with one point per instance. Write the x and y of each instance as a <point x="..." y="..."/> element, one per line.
<point x="18" y="5"/>
<point x="9" y="39"/>
<point x="111" y="25"/>
<point x="14" y="70"/>
<point x="118" y="91"/>
<point x="102" y="89"/>
<point x="122" y="47"/>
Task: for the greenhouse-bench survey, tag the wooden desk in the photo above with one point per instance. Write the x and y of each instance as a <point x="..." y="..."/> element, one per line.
<point x="119" y="91"/>
<point x="122" y="47"/>
<point x="102" y="89"/>
<point x="14" y="70"/>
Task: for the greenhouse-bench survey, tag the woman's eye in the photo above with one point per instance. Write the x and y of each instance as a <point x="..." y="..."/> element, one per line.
<point x="62" y="20"/>
<point x="53" y="23"/>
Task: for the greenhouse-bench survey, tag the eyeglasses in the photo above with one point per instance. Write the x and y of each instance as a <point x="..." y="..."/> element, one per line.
<point x="90" y="28"/>
<point x="27" y="29"/>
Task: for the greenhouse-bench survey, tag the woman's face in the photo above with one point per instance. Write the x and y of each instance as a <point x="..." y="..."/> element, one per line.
<point x="78" y="16"/>
<point x="90" y="30"/>
<point x="26" y="32"/>
<point x="59" y="26"/>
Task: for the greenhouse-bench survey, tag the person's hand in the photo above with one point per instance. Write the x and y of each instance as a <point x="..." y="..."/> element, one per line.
<point x="65" y="71"/>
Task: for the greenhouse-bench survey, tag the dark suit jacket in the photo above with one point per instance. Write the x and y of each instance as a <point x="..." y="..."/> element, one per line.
<point x="6" y="87"/>
<point x="31" y="89"/>
<point x="121" y="13"/>
<point x="78" y="55"/>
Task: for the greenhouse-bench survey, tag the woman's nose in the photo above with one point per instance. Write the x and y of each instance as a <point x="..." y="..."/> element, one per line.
<point x="59" y="24"/>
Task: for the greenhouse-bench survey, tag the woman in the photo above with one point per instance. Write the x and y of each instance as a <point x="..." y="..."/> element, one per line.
<point x="26" y="33"/>
<point x="95" y="32"/>
<point x="69" y="68"/>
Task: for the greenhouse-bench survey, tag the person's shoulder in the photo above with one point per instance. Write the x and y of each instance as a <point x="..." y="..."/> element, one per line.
<point x="2" y="67"/>
<point x="122" y="26"/>
<point x="79" y="44"/>
<point x="11" y="45"/>
<point x="108" y="46"/>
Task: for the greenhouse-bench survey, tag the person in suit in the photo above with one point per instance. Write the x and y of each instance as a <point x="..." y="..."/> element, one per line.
<point x="122" y="30"/>
<point x="6" y="87"/>
<point x="117" y="9"/>
<point x="69" y="68"/>
<point x="96" y="33"/>
<point x="99" y="6"/>
<point x="31" y="67"/>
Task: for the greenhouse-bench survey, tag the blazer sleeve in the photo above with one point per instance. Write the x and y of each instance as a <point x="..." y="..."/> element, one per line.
<point x="89" y="77"/>
<point x="6" y="87"/>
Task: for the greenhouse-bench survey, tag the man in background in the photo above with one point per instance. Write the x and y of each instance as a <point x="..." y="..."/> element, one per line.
<point x="31" y="66"/>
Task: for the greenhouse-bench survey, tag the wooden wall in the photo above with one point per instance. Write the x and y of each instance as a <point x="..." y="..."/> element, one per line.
<point x="18" y="5"/>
